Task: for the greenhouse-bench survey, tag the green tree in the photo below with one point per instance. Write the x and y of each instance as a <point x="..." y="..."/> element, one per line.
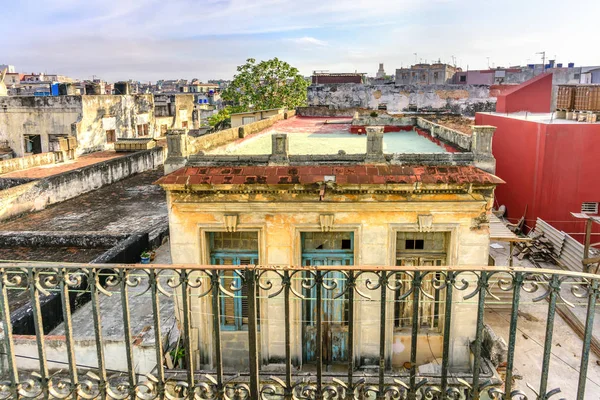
<point x="268" y="84"/>
<point x="221" y="119"/>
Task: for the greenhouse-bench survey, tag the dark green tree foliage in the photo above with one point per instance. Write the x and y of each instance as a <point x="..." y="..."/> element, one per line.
<point x="268" y="84"/>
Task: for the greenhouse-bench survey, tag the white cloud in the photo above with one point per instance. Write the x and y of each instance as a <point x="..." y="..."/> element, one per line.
<point x="155" y="39"/>
<point x="308" y="41"/>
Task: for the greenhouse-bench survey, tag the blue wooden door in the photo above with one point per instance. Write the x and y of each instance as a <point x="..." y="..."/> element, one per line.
<point x="334" y="311"/>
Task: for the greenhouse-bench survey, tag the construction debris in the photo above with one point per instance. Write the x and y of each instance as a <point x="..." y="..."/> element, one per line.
<point x="538" y="249"/>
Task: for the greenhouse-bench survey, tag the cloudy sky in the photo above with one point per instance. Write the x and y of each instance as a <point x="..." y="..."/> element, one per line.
<point x="206" y="39"/>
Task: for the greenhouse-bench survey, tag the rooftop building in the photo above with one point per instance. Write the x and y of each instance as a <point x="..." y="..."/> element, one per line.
<point x="318" y="192"/>
<point x="426" y="74"/>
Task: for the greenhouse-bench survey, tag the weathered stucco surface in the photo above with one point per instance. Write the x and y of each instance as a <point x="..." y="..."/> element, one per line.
<point x="464" y="99"/>
<point x="20" y="163"/>
<point x="279" y="218"/>
<point x="37" y="195"/>
<point x="172" y="111"/>
<point x="25" y="115"/>
<point x="85" y="117"/>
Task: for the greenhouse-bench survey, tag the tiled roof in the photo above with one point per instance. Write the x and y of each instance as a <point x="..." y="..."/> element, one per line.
<point x="356" y="174"/>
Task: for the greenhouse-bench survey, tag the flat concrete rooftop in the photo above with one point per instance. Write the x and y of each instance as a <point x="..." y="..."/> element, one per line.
<point x="540" y="118"/>
<point x="51" y="254"/>
<point x="69" y="165"/>
<point x="133" y="204"/>
<point x="326" y="136"/>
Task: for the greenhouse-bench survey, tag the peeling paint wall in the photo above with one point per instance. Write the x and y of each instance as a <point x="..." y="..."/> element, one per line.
<point x="19" y="163"/>
<point x="38" y="195"/>
<point x="29" y="115"/>
<point x="121" y="113"/>
<point x="464" y="99"/>
<point x="86" y="117"/>
<point x="374" y="222"/>
<point x="174" y="111"/>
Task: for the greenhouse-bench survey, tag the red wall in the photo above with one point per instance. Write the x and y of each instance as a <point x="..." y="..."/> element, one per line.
<point x="551" y="168"/>
<point x="326" y="79"/>
<point x="535" y="95"/>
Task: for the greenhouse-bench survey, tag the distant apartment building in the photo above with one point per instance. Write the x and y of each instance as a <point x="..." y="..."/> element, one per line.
<point x="198" y="87"/>
<point x="561" y="74"/>
<point x="484" y="77"/>
<point x="174" y="111"/>
<point x="170" y="85"/>
<point x="12" y="78"/>
<point x="426" y="74"/>
<point x="9" y="68"/>
<point x="33" y="125"/>
<point x="328" y="78"/>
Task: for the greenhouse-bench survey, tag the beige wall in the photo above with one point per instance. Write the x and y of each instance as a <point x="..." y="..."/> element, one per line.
<point x="182" y="106"/>
<point x="86" y="117"/>
<point x="119" y="112"/>
<point x="374" y="224"/>
<point x="29" y="115"/>
<point x="237" y="119"/>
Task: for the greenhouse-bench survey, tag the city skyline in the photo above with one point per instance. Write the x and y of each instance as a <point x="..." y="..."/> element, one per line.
<point x="149" y="40"/>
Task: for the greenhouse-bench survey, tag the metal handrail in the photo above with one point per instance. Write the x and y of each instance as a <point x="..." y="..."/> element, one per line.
<point x="63" y="281"/>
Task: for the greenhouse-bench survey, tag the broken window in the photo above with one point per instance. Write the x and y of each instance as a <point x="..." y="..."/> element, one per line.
<point x="419" y="249"/>
<point x="111" y="136"/>
<point x="462" y="78"/>
<point x="33" y="144"/>
<point x="327" y="241"/>
<point x="184" y="124"/>
<point x="234" y="248"/>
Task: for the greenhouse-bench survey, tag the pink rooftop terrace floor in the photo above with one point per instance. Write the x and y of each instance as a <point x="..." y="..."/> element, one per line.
<point x="54" y="169"/>
<point x="318" y="135"/>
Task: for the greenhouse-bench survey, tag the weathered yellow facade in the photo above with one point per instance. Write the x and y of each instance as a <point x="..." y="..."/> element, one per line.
<point x="375" y="216"/>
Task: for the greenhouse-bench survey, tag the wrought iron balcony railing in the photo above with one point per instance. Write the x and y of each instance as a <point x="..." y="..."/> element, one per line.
<point x="259" y="285"/>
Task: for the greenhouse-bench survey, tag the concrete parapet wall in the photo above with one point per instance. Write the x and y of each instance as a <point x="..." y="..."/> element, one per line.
<point x="212" y="140"/>
<point x="463" y="99"/>
<point x="6" y="183"/>
<point x="19" y="163"/>
<point x="459" y="139"/>
<point x="459" y="158"/>
<point x="56" y="351"/>
<point x="325" y="111"/>
<point x="37" y="195"/>
<point x="258" y="126"/>
<point x="59" y="238"/>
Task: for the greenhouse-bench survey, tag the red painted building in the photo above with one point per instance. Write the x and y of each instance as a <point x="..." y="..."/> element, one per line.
<point x="535" y="96"/>
<point x="327" y="78"/>
<point x="551" y="166"/>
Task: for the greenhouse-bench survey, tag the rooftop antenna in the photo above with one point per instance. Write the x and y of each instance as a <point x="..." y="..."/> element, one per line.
<point x="453" y="60"/>
<point x="488" y="62"/>
<point x="543" y="53"/>
<point x="415" y="57"/>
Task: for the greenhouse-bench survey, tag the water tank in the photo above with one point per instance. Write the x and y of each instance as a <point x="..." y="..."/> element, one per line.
<point x="531" y="66"/>
<point x="571" y="65"/>
<point x="559" y="65"/>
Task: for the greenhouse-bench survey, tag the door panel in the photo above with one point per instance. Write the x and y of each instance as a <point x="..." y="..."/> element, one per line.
<point x="334" y="313"/>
